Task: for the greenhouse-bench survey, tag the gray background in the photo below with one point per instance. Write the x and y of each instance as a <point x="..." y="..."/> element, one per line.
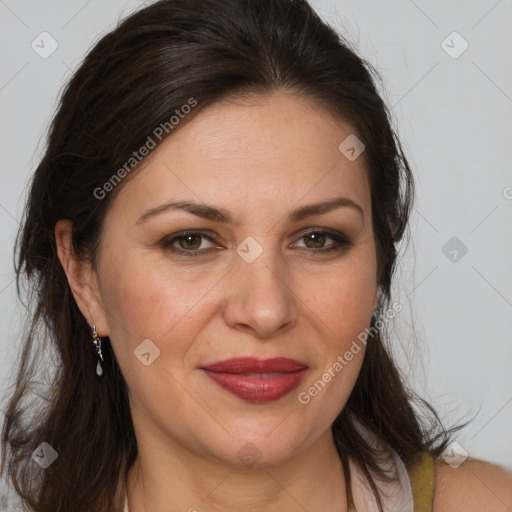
<point x="454" y="118"/>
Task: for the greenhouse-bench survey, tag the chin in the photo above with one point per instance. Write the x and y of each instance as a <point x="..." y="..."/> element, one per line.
<point x="262" y="449"/>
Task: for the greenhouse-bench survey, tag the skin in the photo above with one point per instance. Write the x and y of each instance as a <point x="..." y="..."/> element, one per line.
<point x="472" y="487"/>
<point x="260" y="160"/>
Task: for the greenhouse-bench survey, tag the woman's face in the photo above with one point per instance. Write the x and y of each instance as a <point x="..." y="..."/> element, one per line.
<point x="241" y="286"/>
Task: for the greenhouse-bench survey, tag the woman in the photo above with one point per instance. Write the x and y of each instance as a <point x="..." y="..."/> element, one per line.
<point x="211" y="237"/>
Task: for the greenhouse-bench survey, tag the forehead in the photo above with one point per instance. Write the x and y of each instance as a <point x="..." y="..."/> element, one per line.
<point x="270" y="152"/>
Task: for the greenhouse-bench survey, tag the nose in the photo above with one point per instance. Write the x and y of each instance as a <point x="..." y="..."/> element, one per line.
<point x="261" y="300"/>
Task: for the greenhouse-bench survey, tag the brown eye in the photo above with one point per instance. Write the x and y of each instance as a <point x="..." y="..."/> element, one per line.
<point x="314" y="242"/>
<point x="317" y="240"/>
<point x="189" y="241"/>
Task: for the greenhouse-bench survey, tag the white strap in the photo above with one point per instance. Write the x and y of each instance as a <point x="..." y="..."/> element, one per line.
<point x="396" y="496"/>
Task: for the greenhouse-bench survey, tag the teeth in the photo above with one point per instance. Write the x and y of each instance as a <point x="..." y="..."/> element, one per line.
<point x="262" y="375"/>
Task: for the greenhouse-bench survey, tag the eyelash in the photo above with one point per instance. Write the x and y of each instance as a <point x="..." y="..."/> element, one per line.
<point x="342" y="242"/>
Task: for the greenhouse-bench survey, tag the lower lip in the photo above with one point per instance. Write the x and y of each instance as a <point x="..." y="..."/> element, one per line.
<point x="258" y="389"/>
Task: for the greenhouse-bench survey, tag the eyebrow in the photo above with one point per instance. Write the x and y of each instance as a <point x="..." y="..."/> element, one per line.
<point x="221" y="215"/>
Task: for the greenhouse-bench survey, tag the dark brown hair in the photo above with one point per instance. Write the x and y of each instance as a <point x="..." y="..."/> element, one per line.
<point x="132" y="81"/>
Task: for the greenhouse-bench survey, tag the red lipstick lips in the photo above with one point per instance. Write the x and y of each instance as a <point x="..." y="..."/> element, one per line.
<point x="257" y="380"/>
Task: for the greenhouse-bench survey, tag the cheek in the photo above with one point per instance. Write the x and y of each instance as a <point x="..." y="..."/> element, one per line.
<point x="341" y="310"/>
<point x="344" y="297"/>
<point x="143" y="302"/>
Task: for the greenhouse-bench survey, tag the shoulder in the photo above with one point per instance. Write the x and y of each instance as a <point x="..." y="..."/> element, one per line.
<point x="472" y="487"/>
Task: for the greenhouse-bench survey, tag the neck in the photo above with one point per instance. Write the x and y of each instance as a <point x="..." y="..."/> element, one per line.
<point x="161" y="478"/>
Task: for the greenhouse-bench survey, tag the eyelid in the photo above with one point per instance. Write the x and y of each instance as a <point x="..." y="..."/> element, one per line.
<point x="208" y="235"/>
<point x="318" y="229"/>
<point x="341" y="240"/>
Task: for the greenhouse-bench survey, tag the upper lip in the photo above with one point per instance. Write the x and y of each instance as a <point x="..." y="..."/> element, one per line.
<point x="254" y="365"/>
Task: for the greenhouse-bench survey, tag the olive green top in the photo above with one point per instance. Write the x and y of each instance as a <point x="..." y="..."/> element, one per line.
<point x="422" y="482"/>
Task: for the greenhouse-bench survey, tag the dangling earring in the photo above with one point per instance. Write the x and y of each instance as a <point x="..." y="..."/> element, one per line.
<point x="97" y="345"/>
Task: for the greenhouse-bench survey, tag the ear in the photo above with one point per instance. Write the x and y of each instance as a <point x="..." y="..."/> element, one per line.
<point x="376" y="298"/>
<point x="81" y="277"/>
